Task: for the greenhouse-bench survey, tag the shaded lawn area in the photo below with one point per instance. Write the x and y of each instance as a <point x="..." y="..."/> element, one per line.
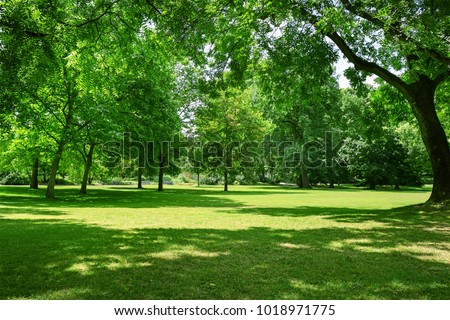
<point x="199" y="243"/>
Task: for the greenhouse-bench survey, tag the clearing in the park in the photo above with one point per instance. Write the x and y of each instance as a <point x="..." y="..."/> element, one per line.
<point x="254" y="242"/>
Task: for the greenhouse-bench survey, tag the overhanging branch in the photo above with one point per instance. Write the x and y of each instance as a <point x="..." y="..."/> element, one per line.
<point x="362" y="64"/>
<point x="37" y="34"/>
<point x="443" y="76"/>
<point x="92" y="20"/>
<point x="395" y="31"/>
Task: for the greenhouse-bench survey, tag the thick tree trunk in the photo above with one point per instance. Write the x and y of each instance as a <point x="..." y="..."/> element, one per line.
<point x="34" y="184"/>
<point x="433" y="135"/>
<point x="420" y="95"/>
<point x="305" y="178"/>
<point x="87" y="169"/>
<point x="50" y="191"/>
<point x="225" y="179"/>
<point x="139" y="174"/>
<point x="300" y="181"/>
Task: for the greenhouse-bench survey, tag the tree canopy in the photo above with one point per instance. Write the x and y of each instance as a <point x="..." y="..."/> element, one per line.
<point x="76" y="75"/>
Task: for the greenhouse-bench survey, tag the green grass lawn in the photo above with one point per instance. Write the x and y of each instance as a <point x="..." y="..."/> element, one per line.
<point x="259" y="242"/>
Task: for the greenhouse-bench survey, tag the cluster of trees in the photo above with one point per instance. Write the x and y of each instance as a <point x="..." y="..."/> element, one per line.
<point x="75" y="76"/>
<point x="241" y="79"/>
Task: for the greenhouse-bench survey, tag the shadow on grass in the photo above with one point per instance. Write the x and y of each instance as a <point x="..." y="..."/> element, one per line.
<point x="398" y="217"/>
<point x="115" y="197"/>
<point x="55" y="259"/>
<point x="128" y="197"/>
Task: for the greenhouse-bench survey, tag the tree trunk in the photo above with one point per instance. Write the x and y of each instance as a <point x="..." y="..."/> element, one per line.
<point x="262" y="177"/>
<point x="87" y="169"/>
<point x="299" y="180"/>
<point x="331" y="177"/>
<point x="161" y="172"/>
<point x="34" y="184"/>
<point x="225" y="179"/>
<point x="50" y="191"/>
<point x="433" y="135"/>
<point x="198" y="177"/>
<point x="305" y="178"/>
<point x="420" y="95"/>
<point x="139" y="174"/>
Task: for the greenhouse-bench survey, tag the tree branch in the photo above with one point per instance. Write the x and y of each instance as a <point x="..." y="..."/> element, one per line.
<point x="108" y="8"/>
<point x="153" y="7"/>
<point x="362" y="64"/>
<point x="33" y="34"/>
<point x="442" y="77"/>
<point x="16" y="26"/>
<point x="395" y="31"/>
<point x="358" y="62"/>
<point x="82" y="24"/>
<point x="83" y="152"/>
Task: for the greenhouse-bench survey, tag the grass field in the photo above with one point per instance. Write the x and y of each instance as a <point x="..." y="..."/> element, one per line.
<point x="260" y="242"/>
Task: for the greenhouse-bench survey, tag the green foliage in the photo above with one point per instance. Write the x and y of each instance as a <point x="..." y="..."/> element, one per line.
<point x="389" y="149"/>
<point x="14" y="178"/>
<point x="443" y="105"/>
<point x="210" y="179"/>
<point x="227" y="123"/>
<point x="384" y="162"/>
<point x="104" y="68"/>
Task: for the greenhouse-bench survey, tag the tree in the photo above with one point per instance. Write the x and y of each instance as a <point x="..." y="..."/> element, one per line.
<point x="69" y="49"/>
<point x="407" y="36"/>
<point x="148" y="102"/>
<point x="228" y="123"/>
<point x="384" y="161"/>
<point x="53" y="103"/>
<point x="381" y="144"/>
<point x="303" y="111"/>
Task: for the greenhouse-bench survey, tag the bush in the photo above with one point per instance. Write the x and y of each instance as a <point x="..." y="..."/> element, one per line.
<point x="209" y="180"/>
<point x="185" y="178"/>
<point x="116" y="181"/>
<point x="63" y="182"/>
<point x="243" y="180"/>
<point x="15" y="178"/>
